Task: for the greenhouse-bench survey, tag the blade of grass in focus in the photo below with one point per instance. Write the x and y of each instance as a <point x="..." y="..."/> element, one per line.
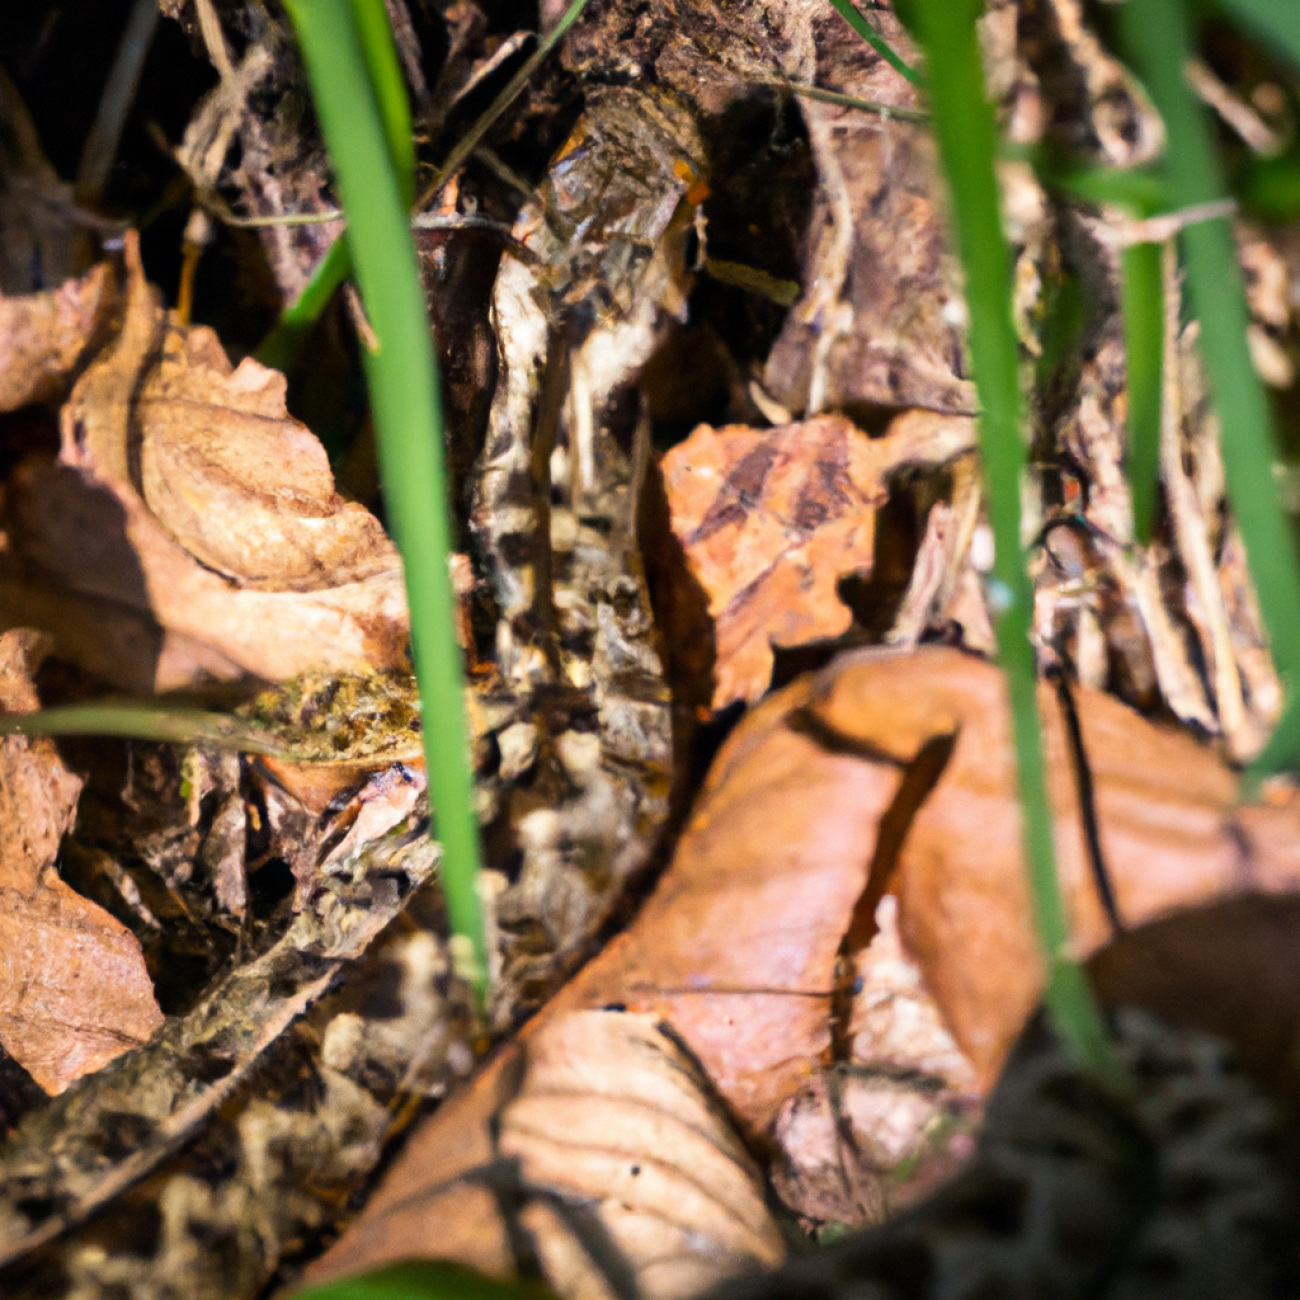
<point x="407" y="408"/>
<point x="964" y="127"/>
<point x="281" y="346"/>
<point x="1157" y="36"/>
<point x="857" y="20"/>
<point x="1142" y="294"/>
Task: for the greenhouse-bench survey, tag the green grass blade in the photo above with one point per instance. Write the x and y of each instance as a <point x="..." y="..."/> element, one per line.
<point x="1142" y="292"/>
<point x="1158" y="38"/>
<point x="964" y="128"/>
<point x="281" y="346"/>
<point x="857" y="20"/>
<point x="380" y="52"/>
<point x="407" y="407"/>
<point x="1276" y="22"/>
<point x="134" y="720"/>
<point x="423" y="1281"/>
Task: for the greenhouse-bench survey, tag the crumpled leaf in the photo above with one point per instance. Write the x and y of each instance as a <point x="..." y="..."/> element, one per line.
<point x="245" y="489"/>
<point x="771" y="519"/>
<point x="735" y="952"/>
<point x="191" y="529"/>
<point x="869" y="1135"/>
<point x="613" y="1114"/>
<point x="74" y="992"/>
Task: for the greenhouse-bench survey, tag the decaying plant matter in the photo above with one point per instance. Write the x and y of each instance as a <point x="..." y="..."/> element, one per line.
<point x="711" y="425"/>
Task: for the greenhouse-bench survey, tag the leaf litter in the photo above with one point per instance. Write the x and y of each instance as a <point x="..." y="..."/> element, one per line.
<point x="832" y="971"/>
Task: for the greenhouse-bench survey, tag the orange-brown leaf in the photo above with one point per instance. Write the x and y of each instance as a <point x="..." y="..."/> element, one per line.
<point x="74" y="992"/>
<point x="771" y="519"/>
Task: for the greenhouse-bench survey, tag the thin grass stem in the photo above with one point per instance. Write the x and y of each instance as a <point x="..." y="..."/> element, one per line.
<point x="407" y="408"/>
<point x="1158" y="37"/>
<point x="474" y="136"/>
<point x="964" y="128"/>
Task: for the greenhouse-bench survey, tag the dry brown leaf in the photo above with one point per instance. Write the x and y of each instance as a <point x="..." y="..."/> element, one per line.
<point x="613" y="1114"/>
<point x="783" y="862"/>
<point x="192" y="530"/>
<point x="869" y="1135"/>
<point x="735" y="951"/>
<point x="771" y="519"/>
<point x="630" y="1167"/>
<point x="44" y="335"/>
<point x="74" y="992"/>
<point x="241" y="486"/>
<point x="1170" y="832"/>
<point x="880" y="319"/>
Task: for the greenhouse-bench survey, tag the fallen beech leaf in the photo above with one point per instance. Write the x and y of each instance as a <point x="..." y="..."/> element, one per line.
<point x="1170" y="833"/>
<point x="771" y="519"/>
<point x="735" y="950"/>
<point x="609" y="1117"/>
<point x="43" y="336"/>
<point x="613" y="1114"/>
<point x="192" y="530"/>
<point x="869" y="1135"/>
<point x="242" y="486"/>
<point x="74" y="992"/>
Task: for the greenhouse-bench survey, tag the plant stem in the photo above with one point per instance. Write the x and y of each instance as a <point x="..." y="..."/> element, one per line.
<point x="407" y="408"/>
<point x="1158" y="37"/>
<point x="964" y="128"/>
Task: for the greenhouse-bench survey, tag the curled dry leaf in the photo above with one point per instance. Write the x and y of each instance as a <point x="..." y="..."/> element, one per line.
<point x="771" y="519"/>
<point x="74" y="992"/>
<point x="191" y="529"/>
<point x="612" y="1114"/>
<point x="735" y="952"/>
<point x="1170" y="832"/>
<point x="873" y="1132"/>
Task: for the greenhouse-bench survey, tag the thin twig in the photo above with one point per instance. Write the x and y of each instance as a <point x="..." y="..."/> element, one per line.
<point x="885" y="111"/>
<point x="119" y="92"/>
<point x="469" y="142"/>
